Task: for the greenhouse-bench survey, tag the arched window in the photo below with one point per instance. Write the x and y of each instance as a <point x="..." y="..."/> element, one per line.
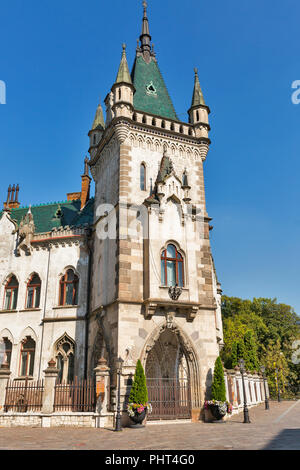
<point x="11" y="294"/>
<point x="5" y="351"/>
<point x="144" y="120"/>
<point x="143" y="177"/>
<point x="68" y="293"/>
<point x="33" y="292"/>
<point x="172" y="126"/>
<point x="65" y="352"/>
<point x="153" y="122"/>
<point x="172" y="269"/>
<point x="163" y="124"/>
<point x="197" y="115"/>
<point x="27" y="357"/>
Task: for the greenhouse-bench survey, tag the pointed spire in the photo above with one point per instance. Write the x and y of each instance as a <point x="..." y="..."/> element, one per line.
<point x="123" y="73"/>
<point x="99" y="119"/>
<point x="145" y="37"/>
<point x="198" y="98"/>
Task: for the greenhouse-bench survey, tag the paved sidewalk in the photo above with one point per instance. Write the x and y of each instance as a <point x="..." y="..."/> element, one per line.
<point x="278" y="428"/>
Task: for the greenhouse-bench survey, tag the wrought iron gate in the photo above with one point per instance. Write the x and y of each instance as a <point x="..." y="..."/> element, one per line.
<point x="170" y="398"/>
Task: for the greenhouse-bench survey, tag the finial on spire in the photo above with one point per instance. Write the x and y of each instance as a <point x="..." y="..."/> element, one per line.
<point x="196" y="71"/>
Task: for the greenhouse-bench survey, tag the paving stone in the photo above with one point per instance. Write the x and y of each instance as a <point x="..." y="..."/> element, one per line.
<point x="278" y="428"/>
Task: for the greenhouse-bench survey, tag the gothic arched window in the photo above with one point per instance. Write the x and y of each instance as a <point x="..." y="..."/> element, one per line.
<point x="143" y="177"/>
<point x="68" y="293"/>
<point x="172" y="269"/>
<point x="65" y="352"/>
<point x="27" y="357"/>
<point x="33" y="292"/>
<point x="11" y="293"/>
<point x="5" y="351"/>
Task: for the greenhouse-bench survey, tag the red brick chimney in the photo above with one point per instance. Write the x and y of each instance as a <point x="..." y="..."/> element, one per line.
<point x="85" y="184"/>
<point x="84" y="195"/>
<point x="12" y="201"/>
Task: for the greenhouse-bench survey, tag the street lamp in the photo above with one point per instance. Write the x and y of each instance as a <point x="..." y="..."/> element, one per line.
<point x="263" y="369"/>
<point x="119" y="363"/>
<point x="278" y="389"/>
<point x="246" y="412"/>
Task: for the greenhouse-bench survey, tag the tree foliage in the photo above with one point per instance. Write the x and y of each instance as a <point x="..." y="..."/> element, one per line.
<point x="262" y="331"/>
<point x="218" y="391"/>
<point x="139" y="392"/>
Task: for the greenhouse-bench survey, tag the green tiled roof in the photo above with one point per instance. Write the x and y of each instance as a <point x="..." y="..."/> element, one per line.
<point x="57" y="214"/>
<point x="151" y="92"/>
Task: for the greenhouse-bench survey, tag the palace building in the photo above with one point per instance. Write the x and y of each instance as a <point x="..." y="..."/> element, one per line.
<point x="129" y="272"/>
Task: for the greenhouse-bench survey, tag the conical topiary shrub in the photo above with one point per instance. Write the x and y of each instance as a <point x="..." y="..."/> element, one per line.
<point x="218" y="391"/>
<point x="139" y="393"/>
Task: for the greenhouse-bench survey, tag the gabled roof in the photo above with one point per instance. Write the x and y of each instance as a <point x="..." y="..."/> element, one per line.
<point x="57" y="214"/>
<point x="151" y="94"/>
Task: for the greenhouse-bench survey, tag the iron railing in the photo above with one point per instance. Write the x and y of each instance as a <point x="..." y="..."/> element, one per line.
<point x="23" y="396"/>
<point x="79" y="396"/>
<point x="169" y="398"/>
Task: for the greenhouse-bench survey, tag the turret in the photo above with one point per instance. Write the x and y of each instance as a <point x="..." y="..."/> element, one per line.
<point x="97" y="130"/>
<point x="123" y="90"/>
<point x="198" y="112"/>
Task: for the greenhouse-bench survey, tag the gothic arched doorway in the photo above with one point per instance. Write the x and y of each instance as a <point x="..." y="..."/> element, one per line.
<point x="172" y="377"/>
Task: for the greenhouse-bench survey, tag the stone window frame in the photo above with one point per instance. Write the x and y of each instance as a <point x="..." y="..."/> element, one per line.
<point x="35" y="287"/>
<point x="7" y="288"/>
<point x="30" y="357"/>
<point x="177" y="260"/>
<point x="65" y="355"/>
<point x="143" y="183"/>
<point x="63" y="281"/>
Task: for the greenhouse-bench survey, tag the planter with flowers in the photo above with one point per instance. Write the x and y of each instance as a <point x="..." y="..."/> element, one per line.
<point x="138" y="406"/>
<point x="218" y="406"/>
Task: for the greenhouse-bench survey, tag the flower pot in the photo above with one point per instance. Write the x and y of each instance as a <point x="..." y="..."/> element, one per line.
<point x="218" y="411"/>
<point x="138" y="418"/>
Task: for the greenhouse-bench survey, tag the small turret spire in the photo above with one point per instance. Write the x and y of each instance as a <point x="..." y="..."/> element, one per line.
<point x="123" y="73"/>
<point x="99" y="119"/>
<point x="145" y="37"/>
<point x="198" y="98"/>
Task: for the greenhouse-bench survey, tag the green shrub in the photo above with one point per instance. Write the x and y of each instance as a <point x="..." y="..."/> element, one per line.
<point x="218" y="391"/>
<point x="139" y="392"/>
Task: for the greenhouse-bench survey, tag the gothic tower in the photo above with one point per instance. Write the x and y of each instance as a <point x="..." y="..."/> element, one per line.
<point x="154" y="291"/>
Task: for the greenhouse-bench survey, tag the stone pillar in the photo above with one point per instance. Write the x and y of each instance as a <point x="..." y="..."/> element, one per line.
<point x="102" y="386"/>
<point x="4" y="377"/>
<point x="51" y="374"/>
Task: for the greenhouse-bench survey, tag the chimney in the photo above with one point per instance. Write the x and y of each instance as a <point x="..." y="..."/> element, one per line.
<point x="85" y="184"/>
<point x="12" y="200"/>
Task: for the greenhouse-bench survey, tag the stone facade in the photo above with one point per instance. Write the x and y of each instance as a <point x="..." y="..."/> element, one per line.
<point x="149" y="200"/>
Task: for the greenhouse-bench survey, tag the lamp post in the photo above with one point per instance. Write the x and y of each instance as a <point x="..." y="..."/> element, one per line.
<point x="246" y="412"/>
<point x="278" y="389"/>
<point x="263" y="369"/>
<point x="119" y="363"/>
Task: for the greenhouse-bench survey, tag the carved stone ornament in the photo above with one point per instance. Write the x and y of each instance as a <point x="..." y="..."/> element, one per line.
<point x="175" y="292"/>
<point x="26" y="232"/>
<point x="121" y="131"/>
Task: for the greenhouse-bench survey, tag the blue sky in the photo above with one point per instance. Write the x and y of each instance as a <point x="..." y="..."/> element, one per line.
<point x="59" y="58"/>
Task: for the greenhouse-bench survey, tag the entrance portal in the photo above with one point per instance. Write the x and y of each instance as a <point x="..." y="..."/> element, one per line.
<point x="168" y="378"/>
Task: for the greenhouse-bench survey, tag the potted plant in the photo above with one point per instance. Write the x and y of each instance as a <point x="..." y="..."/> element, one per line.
<point x="218" y="405"/>
<point x="138" y="406"/>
